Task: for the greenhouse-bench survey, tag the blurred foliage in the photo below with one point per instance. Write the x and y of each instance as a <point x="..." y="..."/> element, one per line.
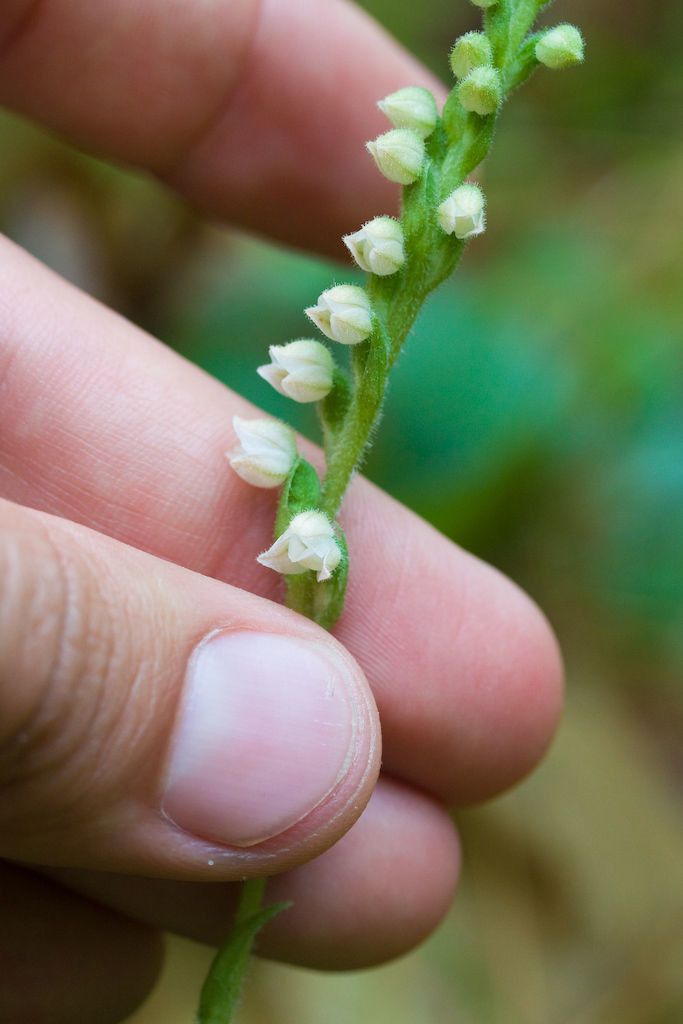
<point x="537" y="418"/>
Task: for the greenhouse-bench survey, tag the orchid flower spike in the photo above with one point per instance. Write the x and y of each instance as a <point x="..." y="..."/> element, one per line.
<point x="302" y="370"/>
<point x="343" y="314"/>
<point x="266" y="453"/>
<point x="307" y="543"/>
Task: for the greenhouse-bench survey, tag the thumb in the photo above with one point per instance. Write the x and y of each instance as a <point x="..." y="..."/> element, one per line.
<point x="158" y="722"/>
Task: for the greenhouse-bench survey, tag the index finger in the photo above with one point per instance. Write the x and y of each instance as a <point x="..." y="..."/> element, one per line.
<point x="256" y="110"/>
<point x="104" y="426"/>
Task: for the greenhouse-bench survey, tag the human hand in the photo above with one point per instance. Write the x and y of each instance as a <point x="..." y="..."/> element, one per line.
<point x="126" y="542"/>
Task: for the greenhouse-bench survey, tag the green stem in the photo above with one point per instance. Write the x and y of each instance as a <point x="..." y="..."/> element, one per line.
<point x="251" y="898"/>
<point x="223" y="986"/>
<point x="349" y="449"/>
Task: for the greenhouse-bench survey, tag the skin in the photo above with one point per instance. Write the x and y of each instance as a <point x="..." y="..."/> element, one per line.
<point x="112" y="482"/>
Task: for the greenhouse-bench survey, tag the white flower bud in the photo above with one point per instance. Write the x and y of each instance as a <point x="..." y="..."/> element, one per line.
<point x="463" y="213"/>
<point x="302" y="370"/>
<point x="307" y="543"/>
<point x="470" y="51"/>
<point x="412" y="107"/>
<point x="484" y="3"/>
<point x="399" y="154"/>
<point x="481" y="91"/>
<point x="560" y="47"/>
<point x="343" y="314"/>
<point x="378" y="247"/>
<point x="266" y="453"/>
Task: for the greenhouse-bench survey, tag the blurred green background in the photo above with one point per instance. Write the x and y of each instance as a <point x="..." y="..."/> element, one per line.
<point x="537" y="418"/>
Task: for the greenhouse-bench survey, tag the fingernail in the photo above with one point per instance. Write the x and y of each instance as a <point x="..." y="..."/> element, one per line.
<point x="265" y="733"/>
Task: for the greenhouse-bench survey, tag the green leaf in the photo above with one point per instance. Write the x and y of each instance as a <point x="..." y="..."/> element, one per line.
<point x="334" y="407"/>
<point x="300" y="492"/>
<point x="454" y="116"/>
<point x="416" y="199"/>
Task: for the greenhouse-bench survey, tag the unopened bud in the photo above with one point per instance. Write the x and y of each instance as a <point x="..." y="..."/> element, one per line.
<point x="463" y="214"/>
<point x="399" y="155"/>
<point x="470" y="51"/>
<point x="412" y="107"/>
<point x="480" y="91"/>
<point x="302" y="370"/>
<point x="307" y="543"/>
<point x="560" y="47"/>
<point x="266" y="453"/>
<point x="343" y="314"/>
<point x="484" y="3"/>
<point x="378" y="247"/>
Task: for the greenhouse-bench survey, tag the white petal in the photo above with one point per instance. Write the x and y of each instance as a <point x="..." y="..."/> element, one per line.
<point x="331" y="560"/>
<point x="274" y="375"/>
<point x="311" y="523"/>
<point x="280" y="563"/>
<point x="345" y="295"/>
<point x="310" y="384"/>
<point x="297" y="548"/>
<point x="302" y="353"/>
<point x="260" y="472"/>
<point x="265" y="437"/>
<point x="321" y="318"/>
<point x="356" y="244"/>
<point x="277" y="557"/>
<point x="387" y="260"/>
<point x="350" y="327"/>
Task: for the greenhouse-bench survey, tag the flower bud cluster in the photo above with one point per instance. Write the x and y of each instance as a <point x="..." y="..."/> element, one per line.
<point x="480" y="87"/>
<point x="400" y="153"/>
